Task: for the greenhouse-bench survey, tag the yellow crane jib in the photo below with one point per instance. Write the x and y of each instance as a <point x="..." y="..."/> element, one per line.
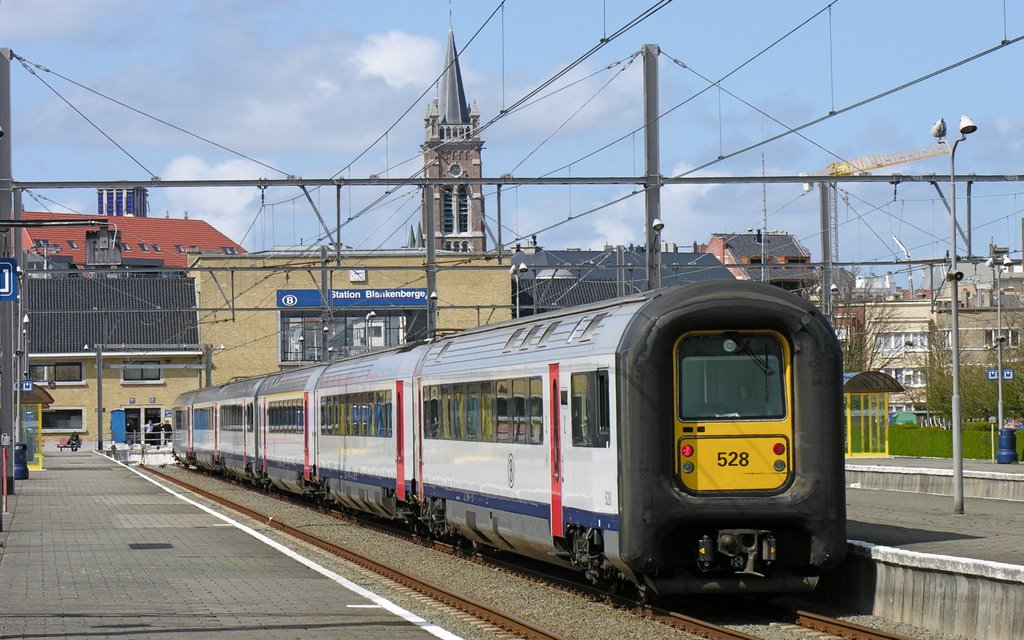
<point x="877" y="161"/>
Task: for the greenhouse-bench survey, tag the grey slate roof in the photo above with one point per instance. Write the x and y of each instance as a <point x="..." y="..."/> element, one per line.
<point x="65" y="314"/>
<point x="451" y="95"/>
<point x="559" y="279"/>
<point x="774" y="244"/>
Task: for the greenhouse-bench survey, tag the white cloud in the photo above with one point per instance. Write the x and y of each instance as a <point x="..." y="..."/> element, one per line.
<point x="400" y="59"/>
<point x="229" y="209"/>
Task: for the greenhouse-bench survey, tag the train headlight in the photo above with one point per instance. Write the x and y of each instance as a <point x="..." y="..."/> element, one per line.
<point x="687" y="467"/>
<point x="779" y="449"/>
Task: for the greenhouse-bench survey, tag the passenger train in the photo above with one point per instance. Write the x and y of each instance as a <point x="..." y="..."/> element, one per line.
<point x="688" y="439"/>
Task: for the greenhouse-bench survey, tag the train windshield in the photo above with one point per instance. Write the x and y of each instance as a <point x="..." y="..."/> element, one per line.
<point x="730" y="376"/>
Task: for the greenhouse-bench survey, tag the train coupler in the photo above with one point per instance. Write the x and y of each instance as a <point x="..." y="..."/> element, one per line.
<point x="742" y="551"/>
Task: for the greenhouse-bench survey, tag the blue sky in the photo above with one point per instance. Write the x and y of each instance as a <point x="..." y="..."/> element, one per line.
<point x="306" y="86"/>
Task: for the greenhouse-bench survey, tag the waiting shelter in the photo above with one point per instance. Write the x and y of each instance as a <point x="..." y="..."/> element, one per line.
<point x="866" y="402"/>
<point x="31" y="402"/>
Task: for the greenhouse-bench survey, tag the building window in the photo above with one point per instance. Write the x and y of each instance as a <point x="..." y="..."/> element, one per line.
<point x="141" y="371"/>
<point x="303" y="338"/>
<point x="898" y="342"/>
<point x="69" y="372"/>
<point x="1011" y="337"/>
<point x="908" y="377"/>
<point x="180" y="248"/>
<point x="156" y="248"/>
<point x="63" y="420"/>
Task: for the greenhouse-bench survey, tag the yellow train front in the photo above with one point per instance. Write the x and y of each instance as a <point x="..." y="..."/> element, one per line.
<point x="731" y="443"/>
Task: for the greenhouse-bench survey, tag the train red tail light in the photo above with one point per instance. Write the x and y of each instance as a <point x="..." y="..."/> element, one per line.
<point x="686" y="450"/>
<point x="779" y="449"/>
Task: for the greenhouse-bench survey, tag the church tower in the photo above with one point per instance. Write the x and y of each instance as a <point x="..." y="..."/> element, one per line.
<point x="451" y="150"/>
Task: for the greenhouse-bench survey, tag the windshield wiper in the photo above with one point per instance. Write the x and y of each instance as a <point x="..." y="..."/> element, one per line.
<point x="762" y="364"/>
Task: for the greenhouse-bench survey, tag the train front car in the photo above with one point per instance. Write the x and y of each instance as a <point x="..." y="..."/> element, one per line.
<point x="732" y="468"/>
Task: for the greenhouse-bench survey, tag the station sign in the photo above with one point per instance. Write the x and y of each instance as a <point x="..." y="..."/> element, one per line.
<point x="304" y="298"/>
<point x="8" y="280"/>
<point x="993" y="374"/>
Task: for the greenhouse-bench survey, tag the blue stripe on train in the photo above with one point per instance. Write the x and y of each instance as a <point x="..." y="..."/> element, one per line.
<point x="580" y="517"/>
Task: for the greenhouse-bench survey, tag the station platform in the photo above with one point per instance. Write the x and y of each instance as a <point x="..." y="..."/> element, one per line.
<point x="912" y="559"/>
<point x="92" y="549"/>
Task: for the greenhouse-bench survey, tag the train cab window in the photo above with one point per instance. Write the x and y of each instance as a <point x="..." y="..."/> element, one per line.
<point x="730" y="376"/>
<point x="589" y="408"/>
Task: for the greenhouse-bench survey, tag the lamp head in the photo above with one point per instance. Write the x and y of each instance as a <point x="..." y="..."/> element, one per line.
<point x="967" y="125"/>
<point x="657" y="224"/>
<point x="1007" y="262"/>
<point x="990" y="263"/>
<point x="433" y="295"/>
<point x="371" y="315"/>
<point x="939" y="128"/>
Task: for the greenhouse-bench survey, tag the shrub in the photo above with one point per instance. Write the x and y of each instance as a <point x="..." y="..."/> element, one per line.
<point x="932" y="442"/>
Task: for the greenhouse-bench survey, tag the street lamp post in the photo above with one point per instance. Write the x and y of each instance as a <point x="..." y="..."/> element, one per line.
<point x="998" y="292"/>
<point x="954" y="277"/>
<point x="515" y="271"/>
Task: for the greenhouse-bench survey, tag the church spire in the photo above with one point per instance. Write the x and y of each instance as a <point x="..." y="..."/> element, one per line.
<point x="451" y="96"/>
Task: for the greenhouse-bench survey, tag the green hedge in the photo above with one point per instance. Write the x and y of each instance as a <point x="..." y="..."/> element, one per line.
<point x="932" y="442"/>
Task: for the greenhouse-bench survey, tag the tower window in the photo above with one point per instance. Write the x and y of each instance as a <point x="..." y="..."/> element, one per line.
<point x="447" y="213"/>
<point x="463" y="211"/>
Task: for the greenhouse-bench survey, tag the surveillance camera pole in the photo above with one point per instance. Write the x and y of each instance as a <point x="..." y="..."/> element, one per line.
<point x="954" y="317"/>
<point x="652" y="171"/>
<point x="7" y="315"/>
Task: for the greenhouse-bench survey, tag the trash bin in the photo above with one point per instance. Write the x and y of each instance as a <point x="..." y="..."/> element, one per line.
<point x="1007" y="453"/>
<point x="21" y="461"/>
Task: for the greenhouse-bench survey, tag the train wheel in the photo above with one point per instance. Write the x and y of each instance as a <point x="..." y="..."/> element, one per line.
<point x="644" y="594"/>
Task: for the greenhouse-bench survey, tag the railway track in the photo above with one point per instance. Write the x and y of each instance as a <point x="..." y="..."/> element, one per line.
<point x="798" y="622"/>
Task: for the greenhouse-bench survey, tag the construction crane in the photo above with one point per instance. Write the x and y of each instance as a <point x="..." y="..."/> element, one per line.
<point x="864" y="164"/>
<point x="877" y="161"/>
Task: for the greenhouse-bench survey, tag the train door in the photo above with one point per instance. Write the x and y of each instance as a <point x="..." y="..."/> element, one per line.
<point x="399" y="426"/>
<point x="555" y="411"/>
<point x="307" y="435"/>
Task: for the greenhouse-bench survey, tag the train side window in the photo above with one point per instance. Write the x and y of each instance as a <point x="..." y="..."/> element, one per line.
<point x="458" y="410"/>
<point x="380" y="425"/>
<point x="487" y="415"/>
<point x="431" y="412"/>
<point x="519" y="415"/>
<point x="589" y="409"/>
<point x="503" y="410"/>
<point x="536" y="411"/>
<point x="248" y="418"/>
<point x="472" y="402"/>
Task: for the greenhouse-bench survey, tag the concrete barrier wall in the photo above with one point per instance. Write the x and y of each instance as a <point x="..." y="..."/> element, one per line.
<point x="973" y="598"/>
<point x="977" y="484"/>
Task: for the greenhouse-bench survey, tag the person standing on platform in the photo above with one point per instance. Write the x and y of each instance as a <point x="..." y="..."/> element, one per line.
<point x="148" y="430"/>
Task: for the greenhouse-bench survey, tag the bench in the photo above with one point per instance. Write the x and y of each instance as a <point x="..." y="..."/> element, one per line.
<point x="65" y="444"/>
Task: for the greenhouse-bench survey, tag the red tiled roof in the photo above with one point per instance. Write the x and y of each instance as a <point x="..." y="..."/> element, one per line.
<point x="147" y="238"/>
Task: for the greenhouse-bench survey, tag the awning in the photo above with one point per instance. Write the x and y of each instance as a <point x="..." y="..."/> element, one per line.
<point x="870" y="381"/>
